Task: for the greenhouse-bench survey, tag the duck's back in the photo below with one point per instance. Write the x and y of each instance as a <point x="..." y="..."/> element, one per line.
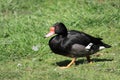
<point x="83" y="38"/>
<point x="76" y="37"/>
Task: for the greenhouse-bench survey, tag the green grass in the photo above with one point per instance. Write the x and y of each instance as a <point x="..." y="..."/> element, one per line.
<point x="23" y="24"/>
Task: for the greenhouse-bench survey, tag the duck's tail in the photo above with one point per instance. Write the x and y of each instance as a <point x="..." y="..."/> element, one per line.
<point x="104" y="46"/>
<point x="107" y="45"/>
<point x="98" y="41"/>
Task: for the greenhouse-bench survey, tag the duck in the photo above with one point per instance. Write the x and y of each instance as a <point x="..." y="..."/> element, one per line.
<point x="73" y="43"/>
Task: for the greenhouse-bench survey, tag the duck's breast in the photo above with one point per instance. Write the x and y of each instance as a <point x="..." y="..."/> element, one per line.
<point x="56" y="45"/>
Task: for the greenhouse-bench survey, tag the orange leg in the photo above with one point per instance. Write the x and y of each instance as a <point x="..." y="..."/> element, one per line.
<point x="72" y="62"/>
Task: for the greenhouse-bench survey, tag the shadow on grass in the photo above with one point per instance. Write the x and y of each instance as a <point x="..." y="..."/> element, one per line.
<point x="66" y="62"/>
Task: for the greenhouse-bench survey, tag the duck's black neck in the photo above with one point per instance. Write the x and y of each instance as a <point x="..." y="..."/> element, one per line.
<point x="64" y="35"/>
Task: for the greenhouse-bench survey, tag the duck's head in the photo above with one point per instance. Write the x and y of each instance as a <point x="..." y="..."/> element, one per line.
<point x="58" y="28"/>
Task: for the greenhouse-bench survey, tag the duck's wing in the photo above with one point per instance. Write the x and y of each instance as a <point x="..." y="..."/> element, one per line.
<point x="86" y="39"/>
<point x="79" y="38"/>
<point x="74" y="37"/>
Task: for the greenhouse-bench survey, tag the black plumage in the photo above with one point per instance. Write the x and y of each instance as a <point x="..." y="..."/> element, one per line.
<point x="73" y="43"/>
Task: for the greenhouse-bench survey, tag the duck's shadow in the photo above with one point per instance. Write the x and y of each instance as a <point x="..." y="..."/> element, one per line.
<point x="66" y="62"/>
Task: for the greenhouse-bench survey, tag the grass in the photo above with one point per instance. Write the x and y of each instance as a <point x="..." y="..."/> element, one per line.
<point x="23" y="25"/>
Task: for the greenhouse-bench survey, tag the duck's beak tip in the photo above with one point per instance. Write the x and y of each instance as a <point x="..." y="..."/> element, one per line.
<point x="49" y="34"/>
<point x="52" y="31"/>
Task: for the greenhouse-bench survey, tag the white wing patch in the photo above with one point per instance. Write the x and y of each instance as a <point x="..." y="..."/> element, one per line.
<point x="89" y="46"/>
<point x="101" y="47"/>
